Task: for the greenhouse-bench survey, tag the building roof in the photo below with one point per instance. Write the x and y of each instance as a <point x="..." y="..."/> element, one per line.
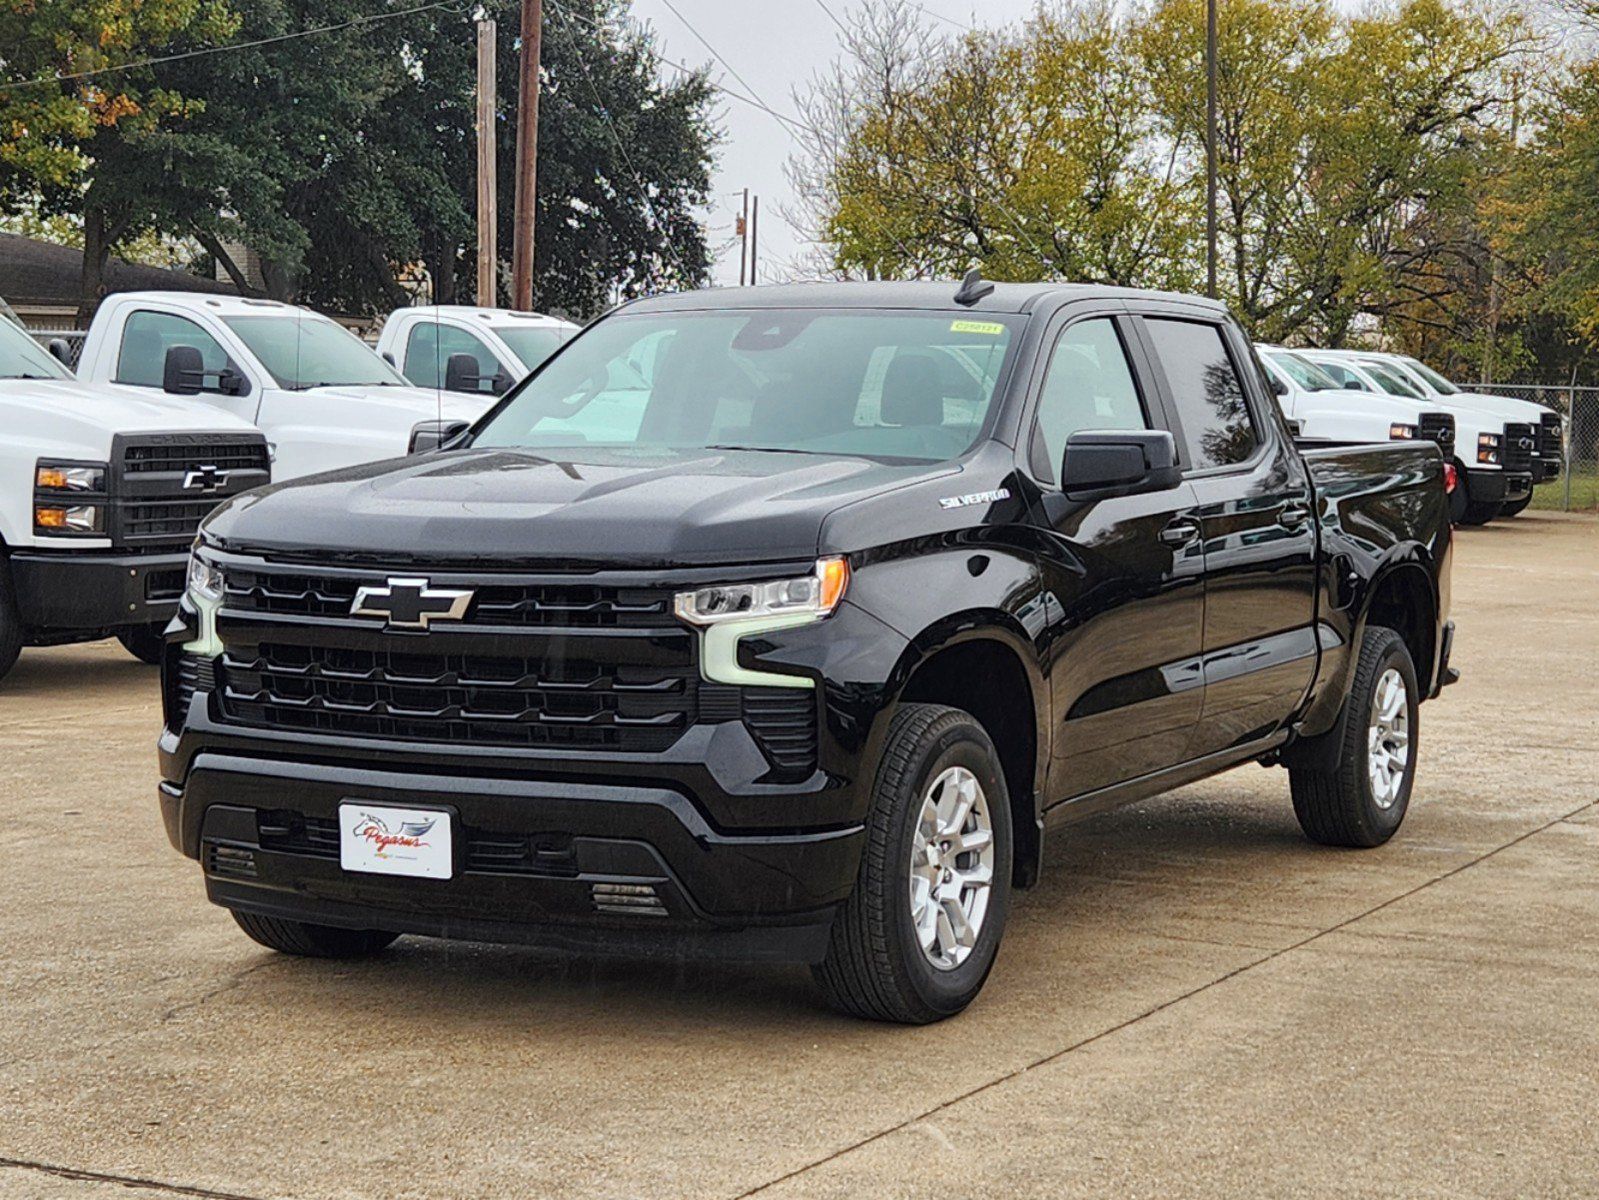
<point x="37" y="274"/>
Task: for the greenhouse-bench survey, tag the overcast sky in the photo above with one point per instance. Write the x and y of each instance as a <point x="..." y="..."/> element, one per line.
<point x="775" y="45"/>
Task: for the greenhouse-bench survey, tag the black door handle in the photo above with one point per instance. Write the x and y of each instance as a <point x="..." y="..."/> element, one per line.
<point x="1179" y="533"/>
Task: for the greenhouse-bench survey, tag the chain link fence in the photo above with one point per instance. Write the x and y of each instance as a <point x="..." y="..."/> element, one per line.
<point x="72" y="339"/>
<point x="1577" y="489"/>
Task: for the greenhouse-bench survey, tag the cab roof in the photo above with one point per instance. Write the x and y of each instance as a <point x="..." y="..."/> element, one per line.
<point x="932" y="295"/>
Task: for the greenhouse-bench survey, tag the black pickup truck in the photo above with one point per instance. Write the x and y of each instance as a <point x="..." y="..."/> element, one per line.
<point x="780" y="623"/>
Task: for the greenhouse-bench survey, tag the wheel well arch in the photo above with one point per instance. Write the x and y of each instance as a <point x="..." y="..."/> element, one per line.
<point x="986" y="676"/>
<point x="1401" y="598"/>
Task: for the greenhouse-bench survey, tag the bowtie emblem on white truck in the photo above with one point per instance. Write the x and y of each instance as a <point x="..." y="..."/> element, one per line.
<point x="205" y="479"/>
<point x="411" y="603"/>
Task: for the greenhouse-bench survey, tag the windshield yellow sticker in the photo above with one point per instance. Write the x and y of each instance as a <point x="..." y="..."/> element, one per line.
<point x="992" y="328"/>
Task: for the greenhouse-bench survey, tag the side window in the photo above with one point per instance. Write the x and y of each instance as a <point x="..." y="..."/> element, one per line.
<point x="1217" y="427"/>
<point x="146" y="338"/>
<point x="1088" y="386"/>
<point x="429" y="347"/>
<point x="1344" y="377"/>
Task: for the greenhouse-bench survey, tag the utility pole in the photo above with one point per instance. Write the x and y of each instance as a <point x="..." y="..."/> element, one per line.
<point x="487" y="252"/>
<point x="527" y="155"/>
<point x="755" y="239"/>
<point x="1490" y="346"/>
<point x="1210" y="147"/>
<point x="744" y="237"/>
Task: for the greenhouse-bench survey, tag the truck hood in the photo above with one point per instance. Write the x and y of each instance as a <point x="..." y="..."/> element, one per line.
<point x="71" y="419"/>
<point x="420" y="404"/>
<point x="1506" y="408"/>
<point x="618" y="507"/>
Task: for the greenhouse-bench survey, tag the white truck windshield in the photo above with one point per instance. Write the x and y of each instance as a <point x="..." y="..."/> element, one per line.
<point x="308" y="352"/>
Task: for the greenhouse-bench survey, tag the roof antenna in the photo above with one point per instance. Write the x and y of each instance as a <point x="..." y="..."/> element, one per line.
<point x="973" y="288"/>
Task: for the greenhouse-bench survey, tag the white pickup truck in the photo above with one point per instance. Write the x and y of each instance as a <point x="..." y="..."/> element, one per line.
<point x="477" y="351"/>
<point x="323" y="398"/>
<point x="1321" y="412"/>
<point x="1547" y="455"/>
<point x="101" y="494"/>
<point x="1493" y="457"/>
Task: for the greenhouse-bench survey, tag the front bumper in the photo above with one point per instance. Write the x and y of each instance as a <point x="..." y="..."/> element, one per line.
<point x="1487" y="487"/>
<point x="1544" y="469"/>
<point x="762" y="896"/>
<point x="93" y="590"/>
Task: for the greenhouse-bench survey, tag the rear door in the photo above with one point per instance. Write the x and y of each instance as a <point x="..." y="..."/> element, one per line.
<point x="1254" y="506"/>
<point x="1122" y="597"/>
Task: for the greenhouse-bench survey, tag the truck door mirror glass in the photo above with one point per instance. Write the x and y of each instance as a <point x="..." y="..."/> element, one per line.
<point x="435" y="435"/>
<point x="1097" y="465"/>
<point x="461" y="374"/>
<point x="183" y="373"/>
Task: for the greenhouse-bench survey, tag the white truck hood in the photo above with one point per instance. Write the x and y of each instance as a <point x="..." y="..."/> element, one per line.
<point x="1506" y="408"/>
<point x="420" y="404"/>
<point x="65" y="418"/>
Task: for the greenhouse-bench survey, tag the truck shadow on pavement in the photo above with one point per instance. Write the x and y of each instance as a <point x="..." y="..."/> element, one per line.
<point x="52" y="672"/>
<point x="1116" y="888"/>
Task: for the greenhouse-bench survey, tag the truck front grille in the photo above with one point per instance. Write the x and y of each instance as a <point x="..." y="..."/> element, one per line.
<point x="1440" y="428"/>
<point x="578" y="606"/>
<point x="478" y="699"/>
<point x="1550" y="442"/>
<point x="164" y="485"/>
<point x="1519" y="443"/>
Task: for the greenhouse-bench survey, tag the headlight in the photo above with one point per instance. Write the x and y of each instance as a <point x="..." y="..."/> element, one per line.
<point x="1400" y="432"/>
<point x="205" y="577"/>
<point x="69" y="477"/>
<point x="1488" y="448"/>
<point x="75" y="518"/>
<point x="816" y="594"/>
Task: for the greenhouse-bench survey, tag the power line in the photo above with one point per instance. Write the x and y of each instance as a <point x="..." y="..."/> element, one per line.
<point x="621" y="145"/>
<point x="368" y="19"/>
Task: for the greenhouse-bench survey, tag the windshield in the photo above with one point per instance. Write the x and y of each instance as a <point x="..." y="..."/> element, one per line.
<point x="890" y="385"/>
<point x="1437" y="382"/>
<point x="22" y="358"/>
<point x="533" y="345"/>
<point x="1302" y="371"/>
<point x="1391" y="381"/>
<point x="308" y="352"/>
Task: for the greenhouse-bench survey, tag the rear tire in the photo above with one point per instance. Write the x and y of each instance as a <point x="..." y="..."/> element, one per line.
<point x="1480" y="512"/>
<point x="10" y="621"/>
<point x="312" y="941"/>
<point x="917" y="937"/>
<point x="1516" y="506"/>
<point x="144" y="642"/>
<point x="1458" y="499"/>
<point x="1363" y="799"/>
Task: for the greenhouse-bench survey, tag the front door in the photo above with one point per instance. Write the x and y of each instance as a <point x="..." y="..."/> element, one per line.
<point x="1254" y="507"/>
<point x="1123" y="582"/>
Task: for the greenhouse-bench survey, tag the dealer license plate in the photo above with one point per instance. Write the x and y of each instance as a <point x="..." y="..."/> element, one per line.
<point x="395" y="841"/>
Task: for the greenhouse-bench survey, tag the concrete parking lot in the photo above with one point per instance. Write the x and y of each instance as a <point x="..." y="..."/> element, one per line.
<point x="1196" y="1002"/>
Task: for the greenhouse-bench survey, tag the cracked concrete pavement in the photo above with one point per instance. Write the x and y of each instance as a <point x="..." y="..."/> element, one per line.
<point x="1195" y="1002"/>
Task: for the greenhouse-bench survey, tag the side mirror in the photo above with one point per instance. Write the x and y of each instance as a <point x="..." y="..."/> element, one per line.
<point x="60" y="351"/>
<point x="435" y="435"/>
<point x="388" y="357"/>
<point x="183" y="372"/>
<point x="1278" y="387"/>
<point x="502" y="383"/>
<point x="461" y="374"/>
<point x="1121" y="463"/>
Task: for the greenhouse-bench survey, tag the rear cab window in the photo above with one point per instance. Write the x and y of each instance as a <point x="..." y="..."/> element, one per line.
<point x="1217" y="429"/>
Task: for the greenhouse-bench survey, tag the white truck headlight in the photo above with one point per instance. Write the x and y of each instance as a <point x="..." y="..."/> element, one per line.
<point x="1488" y="445"/>
<point x="816" y="594"/>
<point x="205" y="577"/>
<point x="69" y="477"/>
<point x="1399" y="431"/>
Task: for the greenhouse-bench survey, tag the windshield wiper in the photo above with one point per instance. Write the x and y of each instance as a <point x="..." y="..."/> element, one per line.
<point x="771" y="450"/>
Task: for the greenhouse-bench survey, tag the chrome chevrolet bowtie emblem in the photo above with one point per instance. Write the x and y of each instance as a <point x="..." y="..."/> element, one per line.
<point x="411" y="603"/>
<point x="204" y="479"/>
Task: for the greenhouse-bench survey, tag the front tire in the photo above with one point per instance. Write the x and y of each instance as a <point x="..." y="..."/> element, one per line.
<point x="1516" y="506"/>
<point x="1363" y="800"/>
<point x="918" y="936"/>
<point x="1480" y="512"/>
<point x="144" y="642"/>
<point x="1458" y="499"/>
<point x="312" y="941"/>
